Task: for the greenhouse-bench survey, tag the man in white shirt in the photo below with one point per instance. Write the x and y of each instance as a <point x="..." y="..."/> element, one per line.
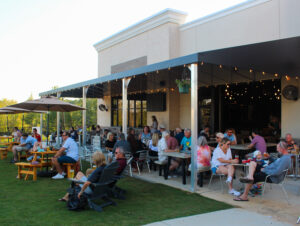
<point x="221" y="163"/>
<point x="70" y="148"/>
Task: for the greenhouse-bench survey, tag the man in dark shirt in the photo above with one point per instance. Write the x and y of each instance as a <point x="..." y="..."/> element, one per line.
<point x="179" y="135"/>
<point x="120" y="158"/>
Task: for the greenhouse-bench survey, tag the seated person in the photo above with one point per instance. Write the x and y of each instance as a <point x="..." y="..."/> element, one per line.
<point x="205" y="132"/>
<point x="110" y="142"/>
<point x="162" y="146"/>
<point x="122" y="143"/>
<point x="99" y="161"/>
<point x="153" y="145"/>
<point x="36" y="135"/>
<point x="258" y="158"/>
<point x="70" y="149"/>
<point x="258" y="174"/>
<point x="203" y="154"/>
<point x="179" y="134"/>
<point x="258" y="142"/>
<point x="134" y="144"/>
<point x="120" y="158"/>
<point x="221" y="162"/>
<point x="230" y="136"/>
<point x="27" y="143"/>
<point x="146" y="135"/>
<point x="291" y="146"/>
<point x="219" y="137"/>
<point x="186" y="140"/>
<point x="16" y="134"/>
<point x="172" y="145"/>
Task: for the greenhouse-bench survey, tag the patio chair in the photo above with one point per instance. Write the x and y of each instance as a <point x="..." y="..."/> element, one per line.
<point x="281" y="184"/>
<point x="128" y="168"/>
<point x="220" y="177"/>
<point x="142" y="159"/>
<point x="102" y="189"/>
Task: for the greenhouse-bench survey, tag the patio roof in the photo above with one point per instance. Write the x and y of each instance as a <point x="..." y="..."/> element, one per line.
<point x="274" y="57"/>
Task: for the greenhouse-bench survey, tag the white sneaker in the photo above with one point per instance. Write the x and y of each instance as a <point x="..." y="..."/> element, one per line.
<point x="64" y="174"/>
<point x="234" y="192"/>
<point x="58" y="176"/>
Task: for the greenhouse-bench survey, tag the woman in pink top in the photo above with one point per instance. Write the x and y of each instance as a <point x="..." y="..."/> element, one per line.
<point x="203" y="153"/>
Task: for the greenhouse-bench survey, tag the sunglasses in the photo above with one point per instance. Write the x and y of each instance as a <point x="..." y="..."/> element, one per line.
<point x="116" y="153"/>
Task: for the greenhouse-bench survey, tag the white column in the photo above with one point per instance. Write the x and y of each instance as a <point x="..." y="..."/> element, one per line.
<point x="194" y="124"/>
<point x="125" y="83"/>
<point x="41" y="125"/>
<point x="84" y="92"/>
<point x="58" y="123"/>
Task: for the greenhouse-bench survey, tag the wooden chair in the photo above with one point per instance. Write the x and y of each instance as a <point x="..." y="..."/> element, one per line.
<point x="72" y="166"/>
<point x="28" y="169"/>
<point x="3" y="153"/>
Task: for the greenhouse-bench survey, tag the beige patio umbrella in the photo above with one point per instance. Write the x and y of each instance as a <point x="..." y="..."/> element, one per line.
<point x="16" y="110"/>
<point x="48" y="104"/>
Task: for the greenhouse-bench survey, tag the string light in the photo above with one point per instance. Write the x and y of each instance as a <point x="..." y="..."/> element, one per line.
<point x="263" y="73"/>
<point x="296" y="77"/>
<point x="235" y="68"/>
<point x="202" y="63"/>
<point x="287" y="78"/>
<point x="157" y="72"/>
<point x="220" y="66"/>
<point x="276" y="75"/>
<point x="169" y="68"/>
<point x="250" y="70"/>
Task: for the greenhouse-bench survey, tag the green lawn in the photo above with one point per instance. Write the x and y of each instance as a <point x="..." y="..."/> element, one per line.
<point x="35" y="203"/>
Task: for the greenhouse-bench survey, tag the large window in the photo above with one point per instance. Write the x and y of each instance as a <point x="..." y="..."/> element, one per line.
<point x="137" y="112"/>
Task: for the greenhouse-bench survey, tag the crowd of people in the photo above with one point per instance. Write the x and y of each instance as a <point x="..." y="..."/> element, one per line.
<point x="158" y="140"/>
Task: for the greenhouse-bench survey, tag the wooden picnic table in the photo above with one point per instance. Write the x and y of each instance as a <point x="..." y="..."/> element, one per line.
<point x="44" y="157"/>
<point x="5" y="137"/>
<point x="183" y="156"/>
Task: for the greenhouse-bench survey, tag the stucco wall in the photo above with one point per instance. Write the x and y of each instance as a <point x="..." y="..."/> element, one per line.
<point x="273" y="19"/>
<point x="185" y="110"/>
<point x="104" y="117"/>
<point x="290" y="111"/>
<point x="155" y="44"/>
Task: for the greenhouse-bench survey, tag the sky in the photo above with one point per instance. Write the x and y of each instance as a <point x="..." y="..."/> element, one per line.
<point x="49" y="43"/>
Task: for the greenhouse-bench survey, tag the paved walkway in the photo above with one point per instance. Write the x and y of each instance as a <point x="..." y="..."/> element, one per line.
<point x="232" y="217"/>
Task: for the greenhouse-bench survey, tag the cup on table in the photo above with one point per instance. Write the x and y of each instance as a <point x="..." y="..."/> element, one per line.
<point x="71" y="173"/>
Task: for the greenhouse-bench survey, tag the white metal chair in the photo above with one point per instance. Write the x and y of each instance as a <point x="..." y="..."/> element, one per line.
<point x="142" y="159"/>
<point x="220" y="177"/>
<point x="129" y="159"/>
<point x="281" y="184"/>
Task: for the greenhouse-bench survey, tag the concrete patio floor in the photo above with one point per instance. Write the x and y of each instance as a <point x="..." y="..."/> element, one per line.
<point x="273" y="203"/>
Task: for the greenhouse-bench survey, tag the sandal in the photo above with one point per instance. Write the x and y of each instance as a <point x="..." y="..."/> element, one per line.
<point x="240" y="199"/>
<point x="246" y="180"/>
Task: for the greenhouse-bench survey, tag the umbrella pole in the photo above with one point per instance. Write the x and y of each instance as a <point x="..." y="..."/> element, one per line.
<point x="23" y="123"/>
<point x="7" y="123"/>
<point x="47" y="134"/>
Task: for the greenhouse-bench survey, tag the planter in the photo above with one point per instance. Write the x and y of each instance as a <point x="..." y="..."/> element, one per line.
<point x="184" y="88"/>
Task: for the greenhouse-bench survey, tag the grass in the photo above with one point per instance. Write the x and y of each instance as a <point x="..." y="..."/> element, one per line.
<point x="35" y="203"/>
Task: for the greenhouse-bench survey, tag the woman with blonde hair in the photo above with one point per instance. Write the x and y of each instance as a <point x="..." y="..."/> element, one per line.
<point x="99" y="161"/>
<point x="153" y="145"/>
<point x="110" y="142"/>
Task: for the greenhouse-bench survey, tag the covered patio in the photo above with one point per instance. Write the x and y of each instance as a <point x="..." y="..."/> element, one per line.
<point x="237" y="66"/>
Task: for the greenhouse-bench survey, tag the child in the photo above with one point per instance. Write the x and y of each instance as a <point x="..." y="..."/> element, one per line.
<point x="257" y="156"/>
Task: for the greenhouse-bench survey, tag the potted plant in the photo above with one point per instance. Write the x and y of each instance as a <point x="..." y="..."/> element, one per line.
<point x="183" y="85"/>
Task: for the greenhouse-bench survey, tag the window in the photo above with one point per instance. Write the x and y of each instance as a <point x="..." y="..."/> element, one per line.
<point x="137" y="112"/>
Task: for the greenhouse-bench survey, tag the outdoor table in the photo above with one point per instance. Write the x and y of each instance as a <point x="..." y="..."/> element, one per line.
<point x="295" y="175"/>
<point x="241" y="150"/>
<point x="212" y="143"/>
<point x="183" y="156"/>
<point x="5" y="137"/>
<point x="43" y="160"/>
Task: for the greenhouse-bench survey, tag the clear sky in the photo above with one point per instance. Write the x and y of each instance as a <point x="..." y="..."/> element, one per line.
<point x="47" y="43"/>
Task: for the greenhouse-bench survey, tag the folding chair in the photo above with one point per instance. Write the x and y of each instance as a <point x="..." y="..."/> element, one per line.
<point x="142" y="159"/>
<point x="281" y="184"/>
<point x="220" y="177"/>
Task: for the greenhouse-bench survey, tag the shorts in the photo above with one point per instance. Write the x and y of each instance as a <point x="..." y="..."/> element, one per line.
<point x="66" y="159"/>
<point x="88" y="190"/>
<point x="260" y="176"/>
<point x="22" y="149"/>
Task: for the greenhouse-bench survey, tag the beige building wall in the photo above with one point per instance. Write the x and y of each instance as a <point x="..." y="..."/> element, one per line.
<point x="257" y="21"/>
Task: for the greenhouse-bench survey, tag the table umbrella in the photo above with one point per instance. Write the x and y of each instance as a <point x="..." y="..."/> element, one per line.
<point x="48" y="104"/>
<point x="16" y="110"/>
